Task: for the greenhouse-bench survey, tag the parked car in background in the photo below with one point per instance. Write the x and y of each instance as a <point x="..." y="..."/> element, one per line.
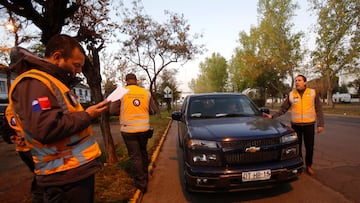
<point x="3" y="121"/>
<point x="2" y="113"/>
<point x="229" y="146"/>
<point x="341" y="97"/>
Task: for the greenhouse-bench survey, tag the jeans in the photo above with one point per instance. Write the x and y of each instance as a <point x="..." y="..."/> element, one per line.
<point x="37" y="192"/>
<point x="306" y="133"/>
<point x="80" y="191"/>
<point x="136" y="146"/>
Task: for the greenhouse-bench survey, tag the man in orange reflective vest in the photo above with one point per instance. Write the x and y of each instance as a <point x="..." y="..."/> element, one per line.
<point x="135" y="108"/>
<point x="305" y="110"/>
<point x="45" y="112"/>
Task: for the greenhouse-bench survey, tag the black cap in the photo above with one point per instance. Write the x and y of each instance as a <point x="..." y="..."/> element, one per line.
<point x="130" y="76"/>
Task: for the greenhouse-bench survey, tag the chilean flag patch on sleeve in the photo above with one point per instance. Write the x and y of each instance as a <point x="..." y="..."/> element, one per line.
<point x="41" y="104"/>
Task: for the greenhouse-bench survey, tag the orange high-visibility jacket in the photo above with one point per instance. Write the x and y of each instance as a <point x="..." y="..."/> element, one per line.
<point x="70" y="152"/>
<point x="302" y="108"/>
<point x="134" y="110"/>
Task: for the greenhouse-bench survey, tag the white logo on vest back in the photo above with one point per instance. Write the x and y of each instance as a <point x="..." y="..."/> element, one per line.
<point x="136" y="102"/>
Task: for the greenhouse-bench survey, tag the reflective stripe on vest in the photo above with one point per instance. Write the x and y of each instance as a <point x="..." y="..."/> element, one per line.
<point x="69" y="152"/>
<point x="134" y="110"/>
<point x="303" y="108"/>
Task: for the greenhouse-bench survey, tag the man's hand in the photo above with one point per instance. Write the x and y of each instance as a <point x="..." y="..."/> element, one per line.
<point x="267" y="115"/>
<point x="95" y="111"/>
<point x="320" y="129"/>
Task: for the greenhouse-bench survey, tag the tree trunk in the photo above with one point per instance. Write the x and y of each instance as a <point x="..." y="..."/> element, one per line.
<point x="329" y="89"/>
<point x="92" y="74"/>
<point x="108" y="140"/>
<point x="153" y="95"/>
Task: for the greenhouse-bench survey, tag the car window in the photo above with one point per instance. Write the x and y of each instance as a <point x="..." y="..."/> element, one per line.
<point x="210" y="107"/>
<point x="248" y="107"/>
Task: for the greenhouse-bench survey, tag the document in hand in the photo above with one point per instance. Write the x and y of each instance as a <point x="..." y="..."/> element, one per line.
<point x="117" y="94"/>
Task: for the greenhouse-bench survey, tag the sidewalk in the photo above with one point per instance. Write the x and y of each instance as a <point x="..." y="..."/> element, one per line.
<point x="167" y="161"/>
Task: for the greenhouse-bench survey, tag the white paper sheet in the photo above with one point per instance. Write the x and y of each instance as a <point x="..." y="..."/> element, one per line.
<point x="117" y="94"/>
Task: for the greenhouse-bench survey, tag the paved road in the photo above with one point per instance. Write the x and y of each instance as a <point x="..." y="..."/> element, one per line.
<point x="15" y="177"/>
<point x="336" y="178"/>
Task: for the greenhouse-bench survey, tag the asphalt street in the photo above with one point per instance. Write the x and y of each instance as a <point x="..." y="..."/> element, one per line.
<point x="166" y="181"/>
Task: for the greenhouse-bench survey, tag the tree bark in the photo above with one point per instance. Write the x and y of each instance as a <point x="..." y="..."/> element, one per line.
<point x="92" y="74"/>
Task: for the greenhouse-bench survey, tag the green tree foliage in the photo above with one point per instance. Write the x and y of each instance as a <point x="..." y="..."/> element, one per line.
<point x="278" y="43"/>
<point x="270" y="53"/>
<point x="338" y="36"/>
<point x="243" y="70"/>
<point x="213" y="75"/>
<point x="167" y="79"/>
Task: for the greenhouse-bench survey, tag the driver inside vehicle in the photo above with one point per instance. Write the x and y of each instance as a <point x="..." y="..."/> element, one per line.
<point x="208" y="103"/>
<point x="208" y="107"/>
<point x="231" y="107"/>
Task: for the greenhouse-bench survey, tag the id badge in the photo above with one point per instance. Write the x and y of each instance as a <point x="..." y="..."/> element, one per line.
<point x="72" y="98"/>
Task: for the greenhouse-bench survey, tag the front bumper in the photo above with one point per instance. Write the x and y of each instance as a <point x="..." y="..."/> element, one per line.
<point x="215" y="179"/>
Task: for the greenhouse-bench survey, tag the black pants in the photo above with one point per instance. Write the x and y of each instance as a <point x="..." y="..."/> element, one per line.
<point x="306" y="132"/>
<point x="37" y="192"/>
<point x="136" y="146"/>
<point x="80" y="191"/>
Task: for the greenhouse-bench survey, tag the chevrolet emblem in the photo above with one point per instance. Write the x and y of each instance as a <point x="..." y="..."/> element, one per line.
<point x="252" y="149"/>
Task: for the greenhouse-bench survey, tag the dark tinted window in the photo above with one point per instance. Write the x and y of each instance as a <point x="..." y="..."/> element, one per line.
<point x="221" y="105"/>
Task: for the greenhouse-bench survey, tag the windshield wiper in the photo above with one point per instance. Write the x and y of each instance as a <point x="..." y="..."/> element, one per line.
<point x="231" y="115"/>
<point x="199" y="115"/>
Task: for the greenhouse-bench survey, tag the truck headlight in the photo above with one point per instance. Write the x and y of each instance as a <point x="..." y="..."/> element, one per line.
<point x="289" y="138"/>
<point x="202" y="144"/>
<point x="204" y="159"/>
<point x="290" y="152"/>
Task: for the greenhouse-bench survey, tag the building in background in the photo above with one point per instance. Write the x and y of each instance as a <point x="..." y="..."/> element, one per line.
<point x="4" y="87"/>
<point x="81" y="90"/>
<point x="83" y="93"/>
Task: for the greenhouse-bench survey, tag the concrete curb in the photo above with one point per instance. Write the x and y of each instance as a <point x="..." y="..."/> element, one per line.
<point x="138" y="194"/>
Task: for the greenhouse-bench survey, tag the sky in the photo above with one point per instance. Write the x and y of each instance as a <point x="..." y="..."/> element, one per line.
<point x="220" y="22"/>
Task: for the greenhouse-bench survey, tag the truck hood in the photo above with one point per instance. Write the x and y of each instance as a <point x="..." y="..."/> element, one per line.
<point x="218" y="129"/>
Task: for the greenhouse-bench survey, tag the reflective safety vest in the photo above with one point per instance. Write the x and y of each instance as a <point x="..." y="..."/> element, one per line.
<point x="134" y="110"/>
<point x="303" y="107"/>
<point x="70" y="152"/>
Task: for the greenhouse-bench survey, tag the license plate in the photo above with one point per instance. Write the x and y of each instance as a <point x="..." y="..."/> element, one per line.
<point x="256" y="175"/>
